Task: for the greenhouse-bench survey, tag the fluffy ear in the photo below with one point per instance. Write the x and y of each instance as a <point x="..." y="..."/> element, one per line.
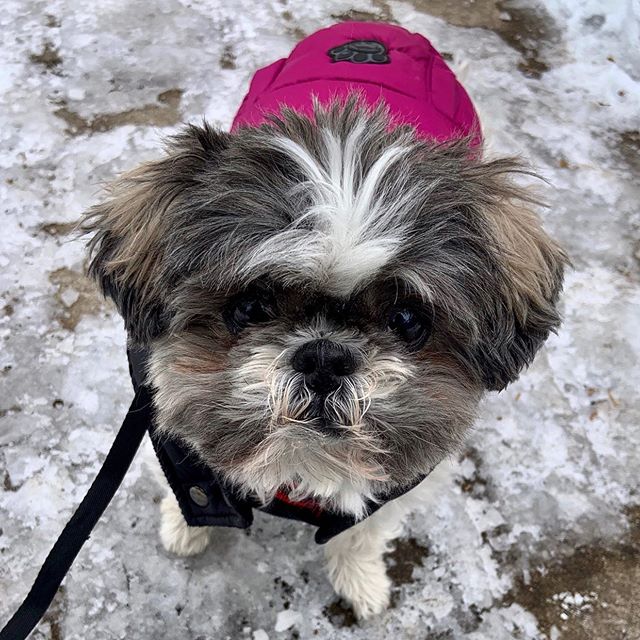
<point x="532" y="266"/>
<point x="127" y="250"/>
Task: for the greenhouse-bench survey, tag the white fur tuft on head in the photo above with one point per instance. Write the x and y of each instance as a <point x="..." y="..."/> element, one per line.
<point x="355" y="224"/>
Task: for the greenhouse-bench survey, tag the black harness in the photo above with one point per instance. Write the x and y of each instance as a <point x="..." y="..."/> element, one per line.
<point x="205" y="499"/>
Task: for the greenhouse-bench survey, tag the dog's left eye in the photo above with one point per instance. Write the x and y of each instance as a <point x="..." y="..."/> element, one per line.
<point x="248" y="310"/>
<point x="411" y="325"/>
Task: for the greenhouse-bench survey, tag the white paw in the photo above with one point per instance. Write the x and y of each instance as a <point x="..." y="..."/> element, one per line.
<point x="364" y="585"/>
<point x="176" y="535"/>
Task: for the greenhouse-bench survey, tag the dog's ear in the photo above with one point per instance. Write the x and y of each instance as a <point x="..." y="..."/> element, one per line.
<point x="531" y="265"/>
<point x="128" y="247"/>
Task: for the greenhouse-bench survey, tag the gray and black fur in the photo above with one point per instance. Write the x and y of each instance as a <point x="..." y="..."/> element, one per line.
<point x="332" y="225"/>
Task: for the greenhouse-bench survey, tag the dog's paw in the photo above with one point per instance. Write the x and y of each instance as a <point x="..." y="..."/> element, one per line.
<point x="365" y="586"/>
<point x="371" y="602"/>
<point x="176" y="535"/>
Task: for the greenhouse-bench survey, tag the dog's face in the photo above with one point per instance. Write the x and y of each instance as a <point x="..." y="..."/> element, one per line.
<point x="325" y="301"/>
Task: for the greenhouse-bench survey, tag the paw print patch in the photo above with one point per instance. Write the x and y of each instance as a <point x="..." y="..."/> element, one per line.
<point x="360" y="52"/>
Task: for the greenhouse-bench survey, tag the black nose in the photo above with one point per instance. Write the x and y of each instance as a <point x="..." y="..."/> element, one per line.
<point x="323" y="364"/>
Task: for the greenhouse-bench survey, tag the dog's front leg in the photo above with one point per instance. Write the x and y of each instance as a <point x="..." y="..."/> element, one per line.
<point x="355" y="561"/>
<point x="176" y="535"/>
<point x="355" y="558"/>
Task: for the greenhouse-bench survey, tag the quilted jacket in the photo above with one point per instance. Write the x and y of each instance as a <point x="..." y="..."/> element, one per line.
<point x="381" y="62"/>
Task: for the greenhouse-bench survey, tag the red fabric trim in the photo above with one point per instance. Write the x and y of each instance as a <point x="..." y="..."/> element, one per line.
<point x="309" y="504"/>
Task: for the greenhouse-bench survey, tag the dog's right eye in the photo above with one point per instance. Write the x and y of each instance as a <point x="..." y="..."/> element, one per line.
<point x="248" y="310"/>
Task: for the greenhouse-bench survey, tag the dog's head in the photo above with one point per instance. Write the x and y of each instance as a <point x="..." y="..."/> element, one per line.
<point x="325" y="300"/>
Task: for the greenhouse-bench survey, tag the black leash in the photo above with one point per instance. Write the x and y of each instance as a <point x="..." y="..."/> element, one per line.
<point x="79" y="528"/>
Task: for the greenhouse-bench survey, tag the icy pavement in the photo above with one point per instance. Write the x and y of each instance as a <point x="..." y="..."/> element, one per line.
<point x="537" y="532"/>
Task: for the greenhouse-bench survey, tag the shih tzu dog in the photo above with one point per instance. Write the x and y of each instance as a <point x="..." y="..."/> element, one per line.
<point x="324" y="294"/>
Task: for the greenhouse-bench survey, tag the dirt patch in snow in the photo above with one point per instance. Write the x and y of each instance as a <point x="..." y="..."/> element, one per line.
<point x="76" y="296"/>
<point x="49" y="57"/>
<point x="340" y="614"/>
<point x="56" y="229"/>
<point x="164" y="113"/>
<point x="408" y="553"/>
<point x="528" y="30"/>
<point x="591" y="594"/>
<point x="628" y="146"/>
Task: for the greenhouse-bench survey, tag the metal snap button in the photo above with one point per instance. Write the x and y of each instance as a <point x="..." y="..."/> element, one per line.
<point x="199" y="496"/>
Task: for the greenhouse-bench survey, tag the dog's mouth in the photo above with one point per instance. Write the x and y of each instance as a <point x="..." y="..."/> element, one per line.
<point x="329" y="428"/>
<point x="320" y="416"/>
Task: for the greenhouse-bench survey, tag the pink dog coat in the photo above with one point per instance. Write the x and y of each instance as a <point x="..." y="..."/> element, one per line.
<point x="382" y="62"/>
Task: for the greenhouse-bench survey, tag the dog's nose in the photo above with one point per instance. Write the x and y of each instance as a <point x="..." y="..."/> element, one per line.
<point x="324" y="363"/>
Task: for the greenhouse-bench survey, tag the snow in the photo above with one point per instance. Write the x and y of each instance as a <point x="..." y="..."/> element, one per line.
<point x="287" y="619"/>
<point x="552" y="464"/>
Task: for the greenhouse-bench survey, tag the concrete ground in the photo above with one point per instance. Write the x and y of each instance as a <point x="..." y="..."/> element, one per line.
<point x="536" y="532"/>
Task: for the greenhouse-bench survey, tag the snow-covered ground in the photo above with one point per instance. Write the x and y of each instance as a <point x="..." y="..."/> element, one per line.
<point x="537" y="531"/>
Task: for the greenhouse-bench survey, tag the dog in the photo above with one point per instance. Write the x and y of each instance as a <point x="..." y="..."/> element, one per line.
<point x="325" y="293"/>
